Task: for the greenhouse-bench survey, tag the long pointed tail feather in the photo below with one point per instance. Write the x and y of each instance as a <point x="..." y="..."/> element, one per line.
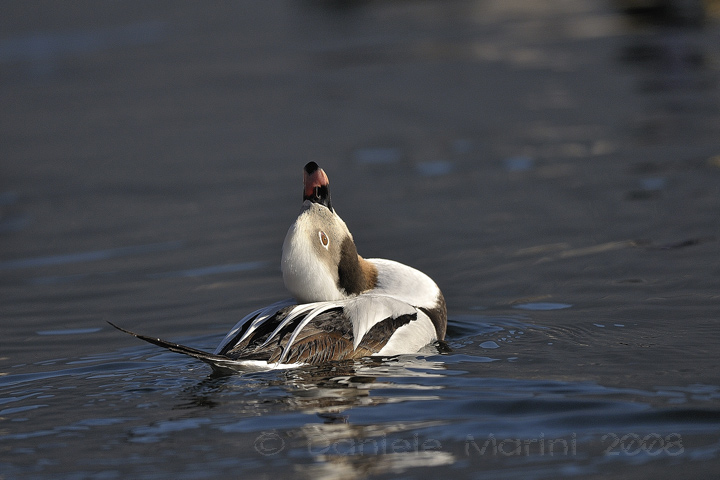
<point x="219" y="363"/>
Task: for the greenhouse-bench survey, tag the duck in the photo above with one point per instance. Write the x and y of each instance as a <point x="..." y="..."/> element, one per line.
<point x="343" y="306"/>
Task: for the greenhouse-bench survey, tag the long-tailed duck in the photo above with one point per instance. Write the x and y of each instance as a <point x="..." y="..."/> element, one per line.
<point x="344" y="306"/>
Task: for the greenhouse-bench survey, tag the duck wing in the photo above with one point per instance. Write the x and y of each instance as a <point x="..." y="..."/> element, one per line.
<point x="329" y="331"/>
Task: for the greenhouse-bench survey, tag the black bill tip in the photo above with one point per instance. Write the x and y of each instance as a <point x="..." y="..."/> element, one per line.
<point x="316" y="186"/>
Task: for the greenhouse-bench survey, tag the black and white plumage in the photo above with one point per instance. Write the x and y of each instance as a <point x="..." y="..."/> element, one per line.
<point x="345" y="306"/>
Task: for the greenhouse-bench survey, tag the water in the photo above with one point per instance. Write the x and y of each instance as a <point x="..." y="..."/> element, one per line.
<point x="553" y="167"/>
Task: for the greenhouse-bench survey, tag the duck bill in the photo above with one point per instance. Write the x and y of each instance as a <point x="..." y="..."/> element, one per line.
<point x="316" y="186"/>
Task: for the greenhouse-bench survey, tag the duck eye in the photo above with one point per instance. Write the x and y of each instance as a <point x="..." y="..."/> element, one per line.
<point x="324" y="239"/>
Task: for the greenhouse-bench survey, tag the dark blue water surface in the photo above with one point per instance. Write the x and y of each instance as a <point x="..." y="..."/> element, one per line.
<point x="554" y="166"/>
<point x="140" y="412"/>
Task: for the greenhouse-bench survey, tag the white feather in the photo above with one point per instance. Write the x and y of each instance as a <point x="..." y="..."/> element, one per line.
<point x="289" y="318"/>
<point x="365" y="310"/>
<point x="411" y="337"/>
<point x="259" y="317"/>
<point x="404" y="283"/>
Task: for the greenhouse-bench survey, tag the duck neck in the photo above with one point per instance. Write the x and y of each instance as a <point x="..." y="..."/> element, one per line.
<point x="355" y="274"/>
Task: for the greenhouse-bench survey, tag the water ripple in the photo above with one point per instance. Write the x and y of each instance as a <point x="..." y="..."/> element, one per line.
<point x="92" y="256"/>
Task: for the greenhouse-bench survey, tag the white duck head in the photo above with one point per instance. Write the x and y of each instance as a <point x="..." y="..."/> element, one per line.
<point x="319" y="260"/>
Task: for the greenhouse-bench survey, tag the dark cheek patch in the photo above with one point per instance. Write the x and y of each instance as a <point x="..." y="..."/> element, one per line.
<point x="351" y="277"/>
